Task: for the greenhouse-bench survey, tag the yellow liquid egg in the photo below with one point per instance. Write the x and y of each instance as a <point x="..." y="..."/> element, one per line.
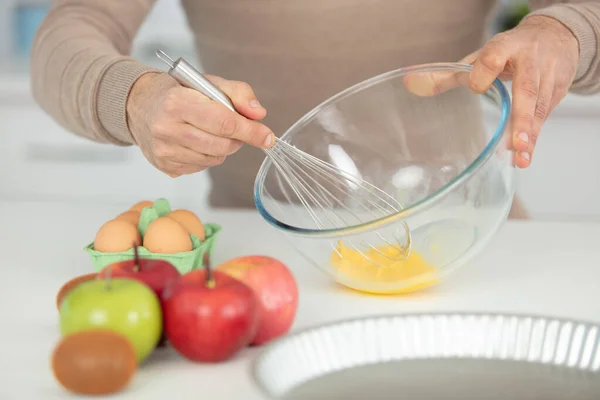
<point x="380" y="269"/>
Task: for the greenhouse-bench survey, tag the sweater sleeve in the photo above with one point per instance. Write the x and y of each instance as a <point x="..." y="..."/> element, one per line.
<point x="583" y="19"/>
<point x="81" y="73"/>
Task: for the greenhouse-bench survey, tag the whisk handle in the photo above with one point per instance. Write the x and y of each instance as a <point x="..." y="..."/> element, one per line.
<point x="188" y="76"/>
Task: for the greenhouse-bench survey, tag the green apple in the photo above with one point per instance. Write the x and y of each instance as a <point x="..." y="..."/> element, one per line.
<point x="123" y="305"/>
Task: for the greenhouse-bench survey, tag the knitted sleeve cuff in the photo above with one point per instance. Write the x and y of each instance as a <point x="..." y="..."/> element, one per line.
<point x="111" y="100"/>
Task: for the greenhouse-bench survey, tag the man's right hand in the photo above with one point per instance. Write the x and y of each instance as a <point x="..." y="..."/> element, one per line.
<point x="181" y="131"/>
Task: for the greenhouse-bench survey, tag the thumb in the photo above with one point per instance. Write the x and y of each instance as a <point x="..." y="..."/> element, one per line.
<point x="470" y="59"/>
<point x="242" y="96"/>
<point x="426" y="84"/>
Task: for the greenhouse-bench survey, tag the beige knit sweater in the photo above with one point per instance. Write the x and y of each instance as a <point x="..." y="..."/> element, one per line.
<point x="295" y="53"/>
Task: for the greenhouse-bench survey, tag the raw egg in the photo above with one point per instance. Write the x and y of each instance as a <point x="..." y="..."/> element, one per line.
<point x="116" y="236"/>
<point x="130" y="216"/>
<point x="141" y="205"/>
<point x="381" y="265"/>
<point x="190" y="222"/>
<point x="66" y="288"/>
<point x="94" y="362"/>
<point x="166" y="236"/>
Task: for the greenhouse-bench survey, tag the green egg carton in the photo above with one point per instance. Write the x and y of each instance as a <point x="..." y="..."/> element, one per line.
<point x="184" y="262"/>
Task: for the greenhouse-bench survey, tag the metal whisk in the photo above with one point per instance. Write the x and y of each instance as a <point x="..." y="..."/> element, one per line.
<point x="319" y="186"/>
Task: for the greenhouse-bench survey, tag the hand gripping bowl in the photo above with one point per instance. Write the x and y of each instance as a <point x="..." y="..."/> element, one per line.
<point x="423" y="137"/>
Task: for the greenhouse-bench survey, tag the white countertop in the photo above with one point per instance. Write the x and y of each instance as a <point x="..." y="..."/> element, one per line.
<point x="530" y="267"/>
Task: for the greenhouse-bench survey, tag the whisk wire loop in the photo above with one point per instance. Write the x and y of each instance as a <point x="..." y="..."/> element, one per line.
<point x="324" y="190"/>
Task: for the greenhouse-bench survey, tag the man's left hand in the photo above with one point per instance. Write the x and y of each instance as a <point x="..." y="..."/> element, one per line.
<point x="540" y="55"/>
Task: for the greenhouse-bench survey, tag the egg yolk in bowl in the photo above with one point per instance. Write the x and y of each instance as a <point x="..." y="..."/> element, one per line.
<point x="382" y="266"/>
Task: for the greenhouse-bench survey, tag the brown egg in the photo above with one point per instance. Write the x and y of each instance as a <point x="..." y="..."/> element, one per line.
<point x="165" y="236"/>
<point x="94" y="362"/>
<point x="141" y="205"/>
<point x="190" y="222"/>
<point x="66" y="288"/>
<point x="115" y="236"/>
<point x="131" y="216"/>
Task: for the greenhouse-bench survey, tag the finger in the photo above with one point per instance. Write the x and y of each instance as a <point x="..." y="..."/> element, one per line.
<point x="544" y="105"/>
<point x="174" y="167"/>
<point x="242" y="95"/>
<point x="165" y="152"/>
<point x="195" y="141"/>
<point x="427" y="84"/>
<point x="525" y="90"/>
<point x="214" y="118"/>
<point x="525" y="146"/>
<point x="489" y="64"/>
<point x="207" y="162"/>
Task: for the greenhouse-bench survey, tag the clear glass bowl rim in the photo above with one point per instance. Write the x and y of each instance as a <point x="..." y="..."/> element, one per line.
<point x="415" y="208"/>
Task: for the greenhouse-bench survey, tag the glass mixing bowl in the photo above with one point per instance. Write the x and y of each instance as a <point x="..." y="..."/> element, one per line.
<point x="419" y="134"/>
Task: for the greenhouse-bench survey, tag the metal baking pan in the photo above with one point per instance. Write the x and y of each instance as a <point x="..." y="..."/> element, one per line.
<point x="435" y="356"/>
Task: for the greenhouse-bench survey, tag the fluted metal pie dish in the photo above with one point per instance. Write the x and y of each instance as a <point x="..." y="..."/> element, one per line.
<point x="435" y="356"/>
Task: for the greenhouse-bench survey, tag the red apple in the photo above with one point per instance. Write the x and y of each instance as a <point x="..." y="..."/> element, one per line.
<point x="156" y="274"/>
<point x="275" y="288"/>
<point x="209" y="316"/>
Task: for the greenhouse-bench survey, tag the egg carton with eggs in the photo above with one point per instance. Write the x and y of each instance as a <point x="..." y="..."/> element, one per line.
<point x="178" y="237"/>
